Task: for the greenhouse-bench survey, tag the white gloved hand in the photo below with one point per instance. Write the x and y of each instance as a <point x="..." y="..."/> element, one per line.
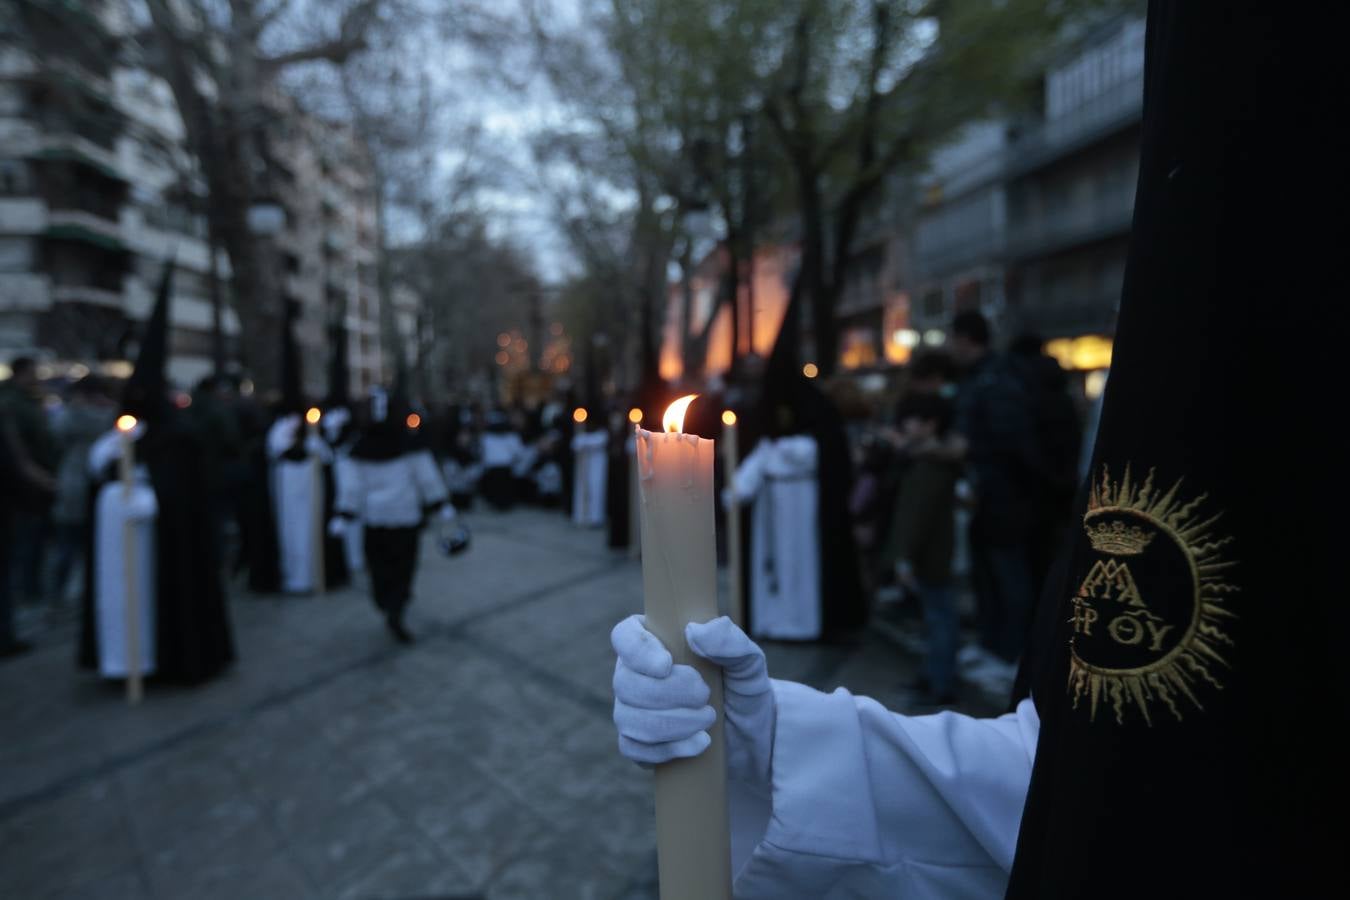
<point x="337" y="527"/>
<point x="661" y="710"/>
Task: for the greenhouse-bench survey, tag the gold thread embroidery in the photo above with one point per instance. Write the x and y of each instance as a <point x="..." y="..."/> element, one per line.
<point x="1159" y="656"/>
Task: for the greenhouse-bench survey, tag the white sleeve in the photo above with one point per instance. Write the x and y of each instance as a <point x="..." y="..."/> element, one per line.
<point x="868" y="803"/>
<point x="350" y="497"/>
<point x="430" y="488"/>
<point x="749" y="475"/>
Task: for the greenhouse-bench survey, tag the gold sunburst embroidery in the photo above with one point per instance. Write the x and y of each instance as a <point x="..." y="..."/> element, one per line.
<point x="1122" y="520"/>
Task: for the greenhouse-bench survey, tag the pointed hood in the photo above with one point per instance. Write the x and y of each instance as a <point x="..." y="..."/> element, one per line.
<point x="339" y="368"/>
<point x="292" y="395"/>
<point x="782" y="393"/>
<point x="145" y="395"/>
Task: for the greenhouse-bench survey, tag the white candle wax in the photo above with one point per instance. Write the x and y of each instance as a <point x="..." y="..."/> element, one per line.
<point x="679" y="576"/>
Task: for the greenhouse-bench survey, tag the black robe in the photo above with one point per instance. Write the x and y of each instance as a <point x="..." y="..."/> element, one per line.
<point x="193" y="637"/>
<point x="1186" y="660"/>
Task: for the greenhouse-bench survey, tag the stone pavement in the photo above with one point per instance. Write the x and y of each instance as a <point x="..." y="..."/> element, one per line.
<point x="331" y="763"/>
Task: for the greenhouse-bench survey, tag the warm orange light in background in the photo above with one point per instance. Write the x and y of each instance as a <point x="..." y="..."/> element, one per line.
<point x="579" y="415"/>
<point x="556" y="329"/>
<point x="728" y="418"/>
<point x="1085" y="354"/>
<point x="635" y="415"/>
<point x="503" y="357"/>
<point x="503" y="340"/>
<point x="673" y="420"/>
<point x="313" y="416"/>
<point x="125" y="423"/>
<point x="414" y="420"/>
<point x="810" y="370"/>
<point x="182" y="401"/>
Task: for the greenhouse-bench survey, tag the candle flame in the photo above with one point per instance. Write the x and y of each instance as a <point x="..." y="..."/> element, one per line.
<point x="579" y="415"/>
<point x="635" y="415"/>
<point x="673" y="420"/>
<point x="313" y="415"/>
<point x="728" y="418"/>
<point x="125" y="423"/>
<point x="414" y="420"/>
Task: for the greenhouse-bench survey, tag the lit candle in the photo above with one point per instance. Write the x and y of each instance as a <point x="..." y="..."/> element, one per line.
<point x="679" y="578"/>
<point x="729" y="461"/>
<point x="131" y="603"/>
<point x="634" y="490"/>
<point x="317" y="529"/>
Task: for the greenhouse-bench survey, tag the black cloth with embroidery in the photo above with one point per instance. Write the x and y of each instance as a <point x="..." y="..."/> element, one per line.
<point x="1182" y="665"/>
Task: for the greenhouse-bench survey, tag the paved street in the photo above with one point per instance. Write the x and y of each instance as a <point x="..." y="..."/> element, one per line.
<point x="330" y="763"/>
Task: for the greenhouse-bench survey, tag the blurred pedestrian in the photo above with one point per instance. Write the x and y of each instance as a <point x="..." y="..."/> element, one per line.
<point x="88" y="413"/>
<point x="35" y="453"/>
<point x="500" y="448"/>
<point x="391" y="486"/>
<point x="995" y="423"/>
<point x="922" y="538"/>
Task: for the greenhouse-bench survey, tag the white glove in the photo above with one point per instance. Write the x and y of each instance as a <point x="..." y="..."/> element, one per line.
<point x="337" y="527"/>
<point x="661" y="710"/>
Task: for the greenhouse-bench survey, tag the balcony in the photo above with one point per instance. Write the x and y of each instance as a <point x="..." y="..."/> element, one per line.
<point x="22" y="215"/>
<point x="1107" y="216"/>
<point x="1107" y="114"/>
<point x="24" y="292"/>
<point x="83" y="293"/>
<point x="78" y="225"/>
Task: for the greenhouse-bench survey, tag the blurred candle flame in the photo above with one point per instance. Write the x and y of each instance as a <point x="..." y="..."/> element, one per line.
<point x="728" y="418"/>
<point x="313" y="415"/>
<point x="125" y="423"/>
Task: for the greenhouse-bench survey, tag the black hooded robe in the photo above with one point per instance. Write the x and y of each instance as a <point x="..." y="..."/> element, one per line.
<point x="1186" y="661"/>
<point x="193" y="636"/>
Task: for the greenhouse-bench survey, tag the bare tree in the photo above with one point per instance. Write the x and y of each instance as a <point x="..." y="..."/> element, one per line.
<point x="223" y="60"/>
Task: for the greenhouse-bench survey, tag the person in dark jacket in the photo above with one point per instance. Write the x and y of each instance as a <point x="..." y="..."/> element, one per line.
<point x="997" y="430"/>
<point x="922" y="538"/>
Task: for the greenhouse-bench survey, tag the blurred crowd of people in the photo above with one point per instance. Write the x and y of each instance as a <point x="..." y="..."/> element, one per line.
<point x="965" y="486"/>
<point x="956" y="487"/>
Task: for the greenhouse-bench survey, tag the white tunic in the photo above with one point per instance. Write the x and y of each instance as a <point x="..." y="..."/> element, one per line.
<point x="591" y="467"/>
<point x="112" y="510"/>
<point x="780" y="478"/>
<point x="353" y="546"/>
<point x="500" y="448"/>
<point x="391" y="493"/>
<point x="292" y="490"/>
<point x="865" y="803"/>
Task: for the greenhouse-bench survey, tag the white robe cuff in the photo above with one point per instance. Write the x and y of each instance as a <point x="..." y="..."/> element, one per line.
<point x="867" y="803"/>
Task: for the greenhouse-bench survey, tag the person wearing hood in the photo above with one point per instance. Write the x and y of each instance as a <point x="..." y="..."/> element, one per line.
<point x="804" y="571"/>
<point x="391" y="486"/>
<point x="185" y="634"/>
<point x="590" y="463"/>
<point x="500" y="449"/>
<point x="291" y="447"/>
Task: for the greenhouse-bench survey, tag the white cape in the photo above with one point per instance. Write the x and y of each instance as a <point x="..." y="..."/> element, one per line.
<point x="588" y="487"/>
<point x="112" y="510"/>
<point x="780" y="478"/>
<point x="292" y="490"/>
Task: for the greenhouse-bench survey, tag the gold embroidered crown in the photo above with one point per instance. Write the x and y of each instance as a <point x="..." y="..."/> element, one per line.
<point x="1118" y="539"/>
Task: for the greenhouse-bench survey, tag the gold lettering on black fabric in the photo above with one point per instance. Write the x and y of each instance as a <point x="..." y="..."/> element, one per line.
<point x="1148" y="618"/>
